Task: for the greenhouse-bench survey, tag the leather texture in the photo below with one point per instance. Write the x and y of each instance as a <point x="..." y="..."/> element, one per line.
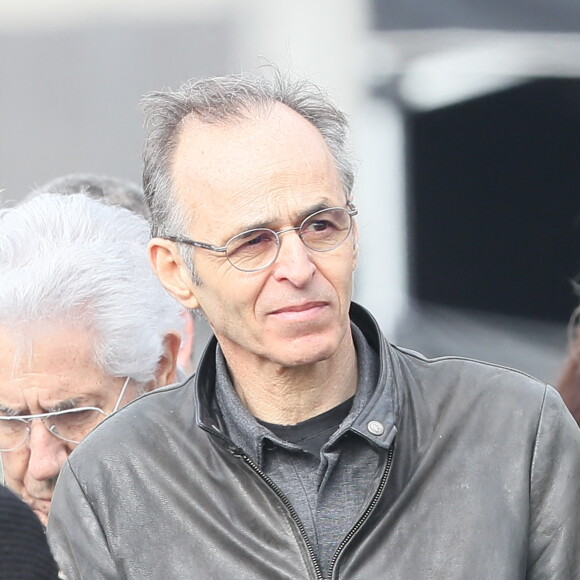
<point x="484" y="484"/>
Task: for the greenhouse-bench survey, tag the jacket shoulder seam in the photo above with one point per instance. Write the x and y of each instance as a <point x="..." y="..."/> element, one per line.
<point x="449" y="358"/>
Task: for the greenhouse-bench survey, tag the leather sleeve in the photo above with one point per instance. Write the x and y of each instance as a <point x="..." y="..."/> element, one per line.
<point x="554" y="550"/>
<point x="75" y="534"/>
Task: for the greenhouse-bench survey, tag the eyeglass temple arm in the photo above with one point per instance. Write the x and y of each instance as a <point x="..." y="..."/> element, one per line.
<point x="121" y="395"/>
<point x="48" y="414"/>
<point x="210" y="247"/>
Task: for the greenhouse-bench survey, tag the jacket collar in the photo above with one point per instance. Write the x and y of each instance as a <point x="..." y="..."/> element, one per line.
<point x="382" y="406"/>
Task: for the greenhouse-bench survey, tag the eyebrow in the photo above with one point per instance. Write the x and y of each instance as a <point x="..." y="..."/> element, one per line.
<point x="9" y="411"/>
<point x="266" y="224"/>
<point x="61" y="406"/>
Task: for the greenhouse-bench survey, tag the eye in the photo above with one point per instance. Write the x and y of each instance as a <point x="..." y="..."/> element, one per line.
<point x="259" y="239"/>
<point x="326" y="230"/>
<point x="73" y="425"/>
<point x="251" y="241"/>
<point x="319" y="225"/>
<point x="74" y="419"/>
<point x="322" y="223"/>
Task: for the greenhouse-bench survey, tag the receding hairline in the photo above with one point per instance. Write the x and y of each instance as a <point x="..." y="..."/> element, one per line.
<point x="262" y="112"/>
<point x="224" y="100"/>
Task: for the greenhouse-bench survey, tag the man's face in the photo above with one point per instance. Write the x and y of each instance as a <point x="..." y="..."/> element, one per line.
<point x="59" y="374"/>
<point x="270" y="171"/>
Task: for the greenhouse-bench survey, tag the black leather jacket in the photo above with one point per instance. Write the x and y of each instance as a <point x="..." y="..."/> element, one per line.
<point x="482" y="482"/>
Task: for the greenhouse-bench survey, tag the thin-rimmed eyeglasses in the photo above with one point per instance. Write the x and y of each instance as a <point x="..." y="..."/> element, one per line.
<point x="256" y="249"/>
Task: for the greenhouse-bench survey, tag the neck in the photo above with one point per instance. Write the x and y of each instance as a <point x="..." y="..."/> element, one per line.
<point x="289" y="395"/>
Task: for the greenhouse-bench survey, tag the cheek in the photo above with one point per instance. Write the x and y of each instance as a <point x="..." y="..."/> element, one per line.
<point x="232" y="296"/>
<point x="15" y="464"/>
<point x="340" y="275"/>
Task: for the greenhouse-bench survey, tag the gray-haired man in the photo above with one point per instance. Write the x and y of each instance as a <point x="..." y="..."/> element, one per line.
<point x="306" y="446"/>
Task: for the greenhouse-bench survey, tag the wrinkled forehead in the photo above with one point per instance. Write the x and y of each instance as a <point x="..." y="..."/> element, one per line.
<point x="53" y="344"/>
<point x="48" y="367"/>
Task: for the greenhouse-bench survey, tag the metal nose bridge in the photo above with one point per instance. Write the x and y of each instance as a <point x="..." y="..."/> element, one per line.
<point x="44" y="421"/>
<point x="279" y="240"/>
<point x="28" y="429"/>
<point x="285" y="231"/>
<point x="296" y="228"/>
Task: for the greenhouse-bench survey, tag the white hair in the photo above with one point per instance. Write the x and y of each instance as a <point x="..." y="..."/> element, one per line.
<point x="73" y="260"/>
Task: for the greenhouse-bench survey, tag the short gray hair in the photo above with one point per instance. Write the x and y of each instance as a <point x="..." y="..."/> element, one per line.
<point x="219" y="100"/>
<point x="110" y="190"/>
<point x="73" y="260"/>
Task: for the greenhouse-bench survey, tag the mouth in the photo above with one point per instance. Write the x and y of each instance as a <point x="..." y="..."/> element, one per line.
<point x="299" y="311"/>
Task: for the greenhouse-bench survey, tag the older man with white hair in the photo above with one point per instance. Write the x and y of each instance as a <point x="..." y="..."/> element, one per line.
<point x="85" y="327"/>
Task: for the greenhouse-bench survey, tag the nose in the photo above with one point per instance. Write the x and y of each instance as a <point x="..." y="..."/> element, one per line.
<point x="47" y="453"/>
<point x="294" y="261"/>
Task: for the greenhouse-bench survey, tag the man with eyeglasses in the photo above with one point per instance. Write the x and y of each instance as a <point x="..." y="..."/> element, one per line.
<point x="85" y="327"/>
<point x="306" y="446"/>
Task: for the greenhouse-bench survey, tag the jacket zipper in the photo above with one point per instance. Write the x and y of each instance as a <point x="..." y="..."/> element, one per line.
<point x="289" y="507"/>
<point x="367" y="512"/>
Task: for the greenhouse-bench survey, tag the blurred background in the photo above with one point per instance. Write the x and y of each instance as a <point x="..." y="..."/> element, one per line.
<point x="466" y="130"/>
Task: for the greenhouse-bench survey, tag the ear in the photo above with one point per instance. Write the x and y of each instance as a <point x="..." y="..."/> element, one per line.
<point x="167" y="365"/>
<point x="172" y="272"/>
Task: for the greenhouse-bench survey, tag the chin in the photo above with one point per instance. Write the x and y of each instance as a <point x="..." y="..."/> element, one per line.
<point x="306" y="353"/>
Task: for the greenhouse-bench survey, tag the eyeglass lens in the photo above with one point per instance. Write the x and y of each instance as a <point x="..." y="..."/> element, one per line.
<point x="322" y="231"/>
<point x="71" y="426"/>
